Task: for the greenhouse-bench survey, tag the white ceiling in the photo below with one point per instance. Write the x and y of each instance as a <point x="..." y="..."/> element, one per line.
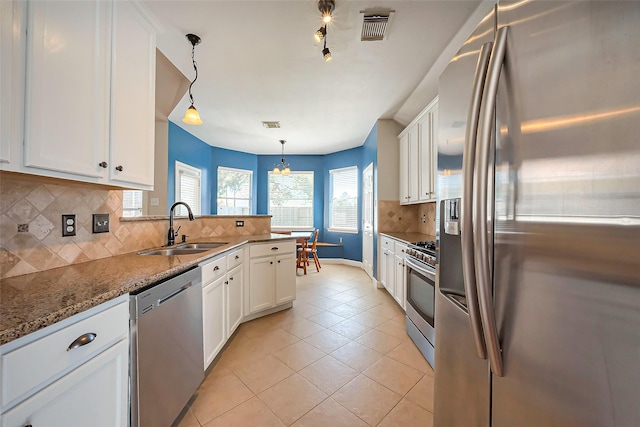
<point x="258" y="61"/>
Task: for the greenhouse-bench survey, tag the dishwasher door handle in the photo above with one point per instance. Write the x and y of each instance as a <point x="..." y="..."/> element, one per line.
<point x="174" y="293"/>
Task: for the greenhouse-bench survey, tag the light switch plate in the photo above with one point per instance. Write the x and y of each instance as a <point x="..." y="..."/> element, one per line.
<point x="100" y="223"/>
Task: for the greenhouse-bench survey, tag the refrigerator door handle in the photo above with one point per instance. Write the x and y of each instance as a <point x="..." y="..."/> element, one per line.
<point x="466" y="203"/>
<point x="481" y="244"/>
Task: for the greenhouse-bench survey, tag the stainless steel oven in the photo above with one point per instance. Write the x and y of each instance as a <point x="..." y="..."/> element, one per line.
<point x="421" y="288"/>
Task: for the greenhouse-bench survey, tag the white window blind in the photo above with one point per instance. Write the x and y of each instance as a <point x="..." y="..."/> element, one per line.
<point x="234" y="191"/>
<point x="343" y="215"/>
<point x="188" y="188"/>
<point x="291" y="200"/>
<point x="131" y="203"/>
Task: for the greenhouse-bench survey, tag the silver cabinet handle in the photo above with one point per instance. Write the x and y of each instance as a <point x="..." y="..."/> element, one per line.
<point x="481" y="243"/>
<point x="466" y="203"/>
<point x="83" y="339"/>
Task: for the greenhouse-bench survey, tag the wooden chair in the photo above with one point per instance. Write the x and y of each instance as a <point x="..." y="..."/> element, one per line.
<point x="303" y="259"/>
<point x="310" y="251"/>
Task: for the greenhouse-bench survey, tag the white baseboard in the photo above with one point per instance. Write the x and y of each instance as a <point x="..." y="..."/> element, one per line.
<point x="342" y="261"/>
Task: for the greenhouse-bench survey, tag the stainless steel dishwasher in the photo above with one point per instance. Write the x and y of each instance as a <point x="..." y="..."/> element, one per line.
<point x="166" y="349"/>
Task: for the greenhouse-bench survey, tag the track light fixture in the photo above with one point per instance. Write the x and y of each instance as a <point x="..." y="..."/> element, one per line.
<point x="283" y="167"/>
<point x="191" y="116"/>
<point x="319" y="35"/>
<point x="326" y="7"/>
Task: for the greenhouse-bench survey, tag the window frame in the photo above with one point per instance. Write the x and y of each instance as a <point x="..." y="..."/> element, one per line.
<point x="183" y="168"/>
<point x="247" y="171"/>
<point x="331" y="227"/>
<point x="289" y="227"/>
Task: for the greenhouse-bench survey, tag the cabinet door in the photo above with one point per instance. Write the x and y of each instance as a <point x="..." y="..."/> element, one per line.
<point x="213" y="328"/>
<point x="262" y="286"/>
<point x="424" y="147"/>
<point x="234" y="299"/>
<point x="382" y="263"/>
<point x="133" y="69"/>
<point x="285" y="278"/>
<point x="11" y="79"/>
<point x="434" y="151"/>
<point x="94" y="394"/>
<point x="390" y="259"/>
<point x="400" y="280"/>
<point x="404" y="169"/>
<point x="67" y="86"/>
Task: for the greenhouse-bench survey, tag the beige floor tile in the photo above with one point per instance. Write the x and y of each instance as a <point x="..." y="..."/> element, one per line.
<point x="329" y="413"/>
<point x="345" y="310"/>
<point x="386" y="311"/>
<point x="326" y="319"/>
<point x="350" y="328"/>
<point x="379" y="341"/>
<point x="262" y="374"/>
<point x="292" y="398"/>
<point x="283" y="318"/>
<point x="302" y="309"/>
<point x="328" y="374"/>
<point x="303" y="328"/>
<point x="250" y="413"/>
<point x="364" y="303"/>
<point x="367" y="399"/>
<point x="394" y="327"/>
<point x="407" y="414"/>
<point x="188" y="420"/>
<point x="243" y="354"/>
<point x="275" y="340"/>
<point x="360" y="291"/>
<point x="217" y="395"/>
<point x="298" y="355"/>
<point x="422" y="393"/>
<point x="394" y="375"/>
<point x="256" y="328"/>
<point x="369" y="319"/>
<point x="343" y="297"/>
<point x="356" y="356"/>
<point x="325" y="303"/>
<point x="327" y="340"/>
<point x="408" y="353"/>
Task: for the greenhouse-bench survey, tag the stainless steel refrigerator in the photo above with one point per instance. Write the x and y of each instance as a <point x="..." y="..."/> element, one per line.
<point x="538" y="303"/>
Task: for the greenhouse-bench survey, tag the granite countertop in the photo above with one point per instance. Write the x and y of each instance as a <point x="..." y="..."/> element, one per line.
<point x="409" y="237"/>
<point x="33" y="301"/>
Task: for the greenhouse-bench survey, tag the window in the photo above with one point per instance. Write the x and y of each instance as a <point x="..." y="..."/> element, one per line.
<point x="188" y="185"/>
<point x="131" y="203"/>
<point x="343" y="203"/>
<point x="234" y="191"/>
<point x="291" y="200"/>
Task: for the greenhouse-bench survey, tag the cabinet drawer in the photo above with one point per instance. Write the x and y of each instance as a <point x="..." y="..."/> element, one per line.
<point x="234" y="259"/>
<point x="400" y="249"/>
<point x="273" y="248"/>
<point x="387" y="243"/>
<point x="213" y="269"/>
<point x="36" y="364"/>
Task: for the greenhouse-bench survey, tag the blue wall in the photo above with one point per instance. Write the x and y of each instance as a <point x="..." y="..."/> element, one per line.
<point x="188" y="149"/>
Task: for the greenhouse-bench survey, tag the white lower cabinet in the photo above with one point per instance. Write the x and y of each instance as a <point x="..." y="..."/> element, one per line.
<point x="272" y="275"/>
<point x="95" y="394"/>
<point x="213" y="313"/>
<point x="72" y="373"/>
<point x="400" y="281"/>
<point x="392" y="269"/>
<point x="234" y="299"/>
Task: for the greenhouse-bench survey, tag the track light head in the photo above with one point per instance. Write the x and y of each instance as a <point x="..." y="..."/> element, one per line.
<point x="320" y="34"/>
<point x="327" y="54"/>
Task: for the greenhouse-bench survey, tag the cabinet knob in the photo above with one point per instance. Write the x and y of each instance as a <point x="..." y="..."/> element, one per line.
<point x="119" y="168"/>
<point x="216" y="268"/>
<point x="226" y="282"/>
<point x="230" y="279"/>
<point x="278" y="261"/>
<point x="237" y="256"/>
<point x="270" y="262"/>
<point x="103" y="165"/>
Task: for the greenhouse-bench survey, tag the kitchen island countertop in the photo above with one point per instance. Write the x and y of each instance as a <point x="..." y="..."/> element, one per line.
<point x="33" y="301"/>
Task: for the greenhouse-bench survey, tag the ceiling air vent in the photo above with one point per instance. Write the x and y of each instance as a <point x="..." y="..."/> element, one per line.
<point x="271" y="125"/>
<point x="375" y="24"/>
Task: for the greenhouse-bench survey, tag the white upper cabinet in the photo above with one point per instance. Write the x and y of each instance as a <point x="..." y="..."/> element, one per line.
<point x="133" y="68"/>
<point x="67" y="93"/>
<point x="418" y="157"/>
<point x="89" y="96"/>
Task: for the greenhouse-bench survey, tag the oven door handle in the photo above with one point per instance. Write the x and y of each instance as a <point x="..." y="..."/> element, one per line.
<point x="420" y="269"/>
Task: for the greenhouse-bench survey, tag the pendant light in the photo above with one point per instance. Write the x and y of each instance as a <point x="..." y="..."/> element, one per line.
<point x="283" y="167"/>
<point x="326" y="8"/>
<point x="191" y="116"/>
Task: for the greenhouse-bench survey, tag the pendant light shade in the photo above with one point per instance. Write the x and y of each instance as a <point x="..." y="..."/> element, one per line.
<point x="282" y="168"/>
<point x="191" y="116"/>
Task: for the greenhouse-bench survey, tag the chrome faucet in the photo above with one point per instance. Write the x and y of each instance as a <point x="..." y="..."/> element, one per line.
<point x="171" y="237"/>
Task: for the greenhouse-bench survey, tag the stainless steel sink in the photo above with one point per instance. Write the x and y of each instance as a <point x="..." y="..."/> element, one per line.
<point x="173" y="251"/>
<point x="185" y="249"/>
<point x="207" y="246"/>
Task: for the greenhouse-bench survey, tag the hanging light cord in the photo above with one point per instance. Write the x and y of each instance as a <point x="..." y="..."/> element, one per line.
<point x="195" y="67"/>
<point x="325" y="37"/>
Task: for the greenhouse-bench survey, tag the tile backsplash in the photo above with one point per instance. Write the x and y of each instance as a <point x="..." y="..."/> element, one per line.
<point x="31" y="210"/>
<point x="394" y="217"/>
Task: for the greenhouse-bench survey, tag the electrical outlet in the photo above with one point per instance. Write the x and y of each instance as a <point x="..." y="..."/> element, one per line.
<point x="341" y="240"/>
<point x="23" y="228"/>
<point x="100" y="223"/>
<point x="69" y="225"/>
<point x="239" y="223"/>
